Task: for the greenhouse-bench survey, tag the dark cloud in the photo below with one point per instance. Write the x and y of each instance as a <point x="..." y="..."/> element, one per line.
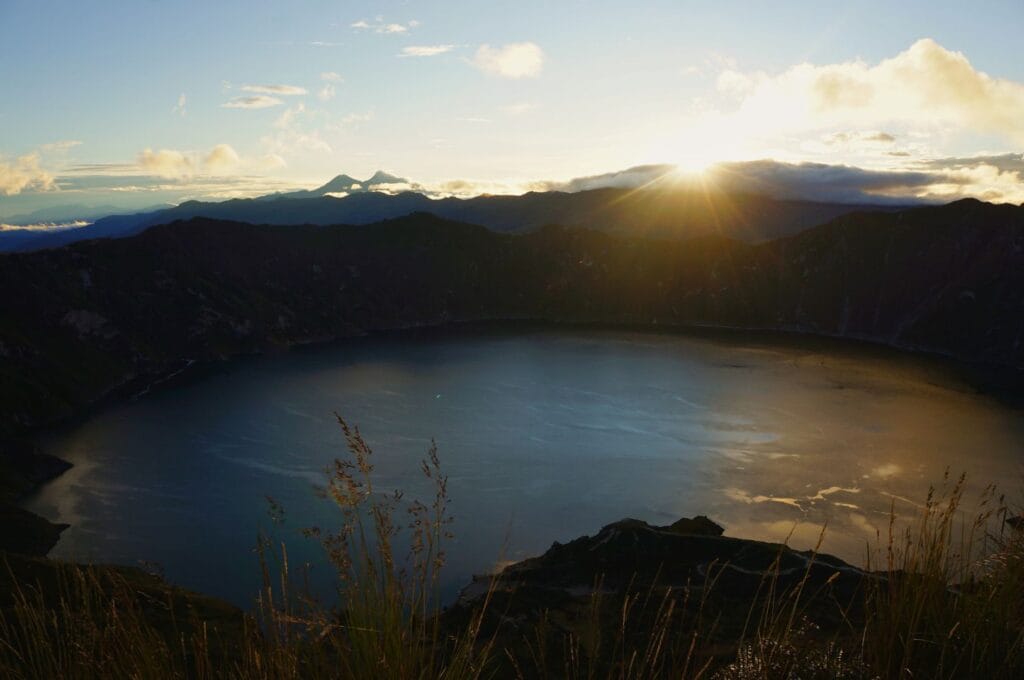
<point x="630" y="178"/>
<point x="820" y="182"/>
<point x="880" y="137"/>
<point x="801" y="181"/>
<point x="1006" y="162"/>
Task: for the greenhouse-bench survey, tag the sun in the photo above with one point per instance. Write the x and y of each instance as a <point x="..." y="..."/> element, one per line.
<point x="701" y="143"/>
<point x="695" y="164"/>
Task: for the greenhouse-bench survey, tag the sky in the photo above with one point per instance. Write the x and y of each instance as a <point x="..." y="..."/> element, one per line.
<point x="143" y="102"/>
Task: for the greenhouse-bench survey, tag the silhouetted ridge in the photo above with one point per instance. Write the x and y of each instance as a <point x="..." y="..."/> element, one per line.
<point x="83" y="320"/>
<point x="676" y="213"/>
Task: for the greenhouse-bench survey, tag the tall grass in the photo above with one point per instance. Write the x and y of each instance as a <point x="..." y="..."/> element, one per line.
<point x="951" y="602"/>
<point x="946" y="602"/>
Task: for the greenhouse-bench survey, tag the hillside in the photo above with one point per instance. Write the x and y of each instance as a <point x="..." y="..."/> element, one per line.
<point x="78" y="322"/>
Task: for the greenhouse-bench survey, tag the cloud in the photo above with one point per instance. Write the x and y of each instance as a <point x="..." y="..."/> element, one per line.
<point x="283" y="90"/>
<point x="62" y="145"/>
<point x="165" y="163"/>
<point x="270" y="161"/>
<point x="330" y="77"/>
<point x="1007" y="162"/>
<point x="883" y="137"/>
<point x="221" y="159"/>
<point x="845" y="138"/>
<point x="45" y="226"/>
<point x="515" y="60"/>
<point x="925" y="87"/>
<point x="327" y="92"/>
<point x="631" y="178"/>
<point x="991" y="178"/>
<point x="24" y="173"/>
<point x="425" y="50"/>
<point x="256" y="102"/>
<point x="169" y="163"/>
<point x="292" y="135"/>
<point x="380" y="26"/>
<point x="821" y="182"/>
<point x="179" y="108"/>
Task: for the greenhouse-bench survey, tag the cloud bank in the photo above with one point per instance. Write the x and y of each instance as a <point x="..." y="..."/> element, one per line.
<point x="220" y="160"/>
<point x="925" y="86"/>
<point x="24" y="173"/>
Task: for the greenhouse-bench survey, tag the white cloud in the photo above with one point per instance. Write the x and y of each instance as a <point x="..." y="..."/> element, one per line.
<point x="925" y="87"/>
<point x="327" y="92"/>
<point x="166" y="163"/>
<point x="24" y="173"/>
<point x="62" y="145"/>
<point x="220" y="160"/>
<point x="179" y="108"/>
<point x="270" y="161"/>
<point x="387" y="28"/>
<point x="45" y="226"/>
<point x="515" y="60"/>
<point x="293" y="136"/>
<point x="288" y="116"/>
<point x="425" y="50"/>
<point x="330" y="77"/>
<point x="283" y="90"/>
<point x="255" y="102"/>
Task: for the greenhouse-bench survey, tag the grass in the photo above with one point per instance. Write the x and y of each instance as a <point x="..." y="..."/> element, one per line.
<point x="946" y="600"/>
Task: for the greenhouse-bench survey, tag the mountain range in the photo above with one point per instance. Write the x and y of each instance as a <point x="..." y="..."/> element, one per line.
<point x="665" y="209"/>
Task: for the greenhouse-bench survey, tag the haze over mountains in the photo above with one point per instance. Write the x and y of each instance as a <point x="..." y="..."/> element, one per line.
<point x="664" y="208"/>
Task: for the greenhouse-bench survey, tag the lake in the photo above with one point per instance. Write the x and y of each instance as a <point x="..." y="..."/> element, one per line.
<point x="545" y="435"/>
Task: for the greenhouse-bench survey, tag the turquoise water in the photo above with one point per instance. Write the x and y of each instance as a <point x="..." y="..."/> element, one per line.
<point x="545" y="435"/>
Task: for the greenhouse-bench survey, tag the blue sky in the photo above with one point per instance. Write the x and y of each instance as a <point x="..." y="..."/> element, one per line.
<point x="495" y="95"/>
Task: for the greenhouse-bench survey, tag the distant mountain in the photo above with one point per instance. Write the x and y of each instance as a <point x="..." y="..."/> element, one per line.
<point x="342" y="184"/>
<point x="79" y="322"/>
<point x="64" y="213"/>
<point x="663" y="212"/>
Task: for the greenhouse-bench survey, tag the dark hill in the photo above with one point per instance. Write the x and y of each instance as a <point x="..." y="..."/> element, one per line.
<point x="77" y="322"/>
<point x="676" y="212"/>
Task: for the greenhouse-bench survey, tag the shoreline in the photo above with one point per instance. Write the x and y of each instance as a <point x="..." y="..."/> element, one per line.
<point x="990" y="379"/>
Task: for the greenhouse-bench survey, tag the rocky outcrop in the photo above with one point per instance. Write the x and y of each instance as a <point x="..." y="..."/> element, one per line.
<point x="632" y="582"/>
<point x="687" y="554"/>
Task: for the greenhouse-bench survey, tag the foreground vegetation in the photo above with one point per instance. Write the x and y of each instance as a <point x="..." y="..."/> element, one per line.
<point x="947" y="601"/>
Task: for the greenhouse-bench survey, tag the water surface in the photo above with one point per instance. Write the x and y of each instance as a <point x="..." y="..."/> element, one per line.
<point x="545" y="435"/>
